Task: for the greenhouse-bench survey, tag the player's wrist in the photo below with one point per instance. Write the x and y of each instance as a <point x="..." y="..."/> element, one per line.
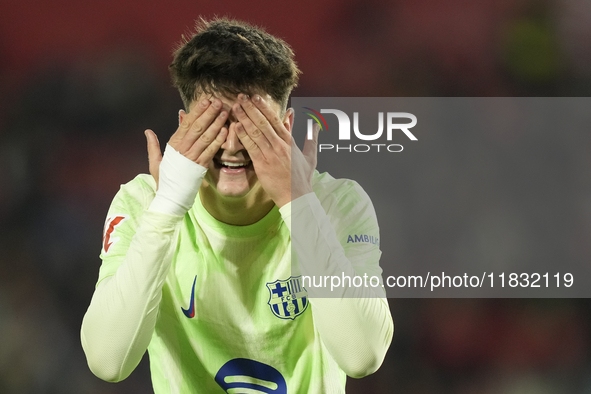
<point x="179" y="182"/>
<point x="297" y="193"/>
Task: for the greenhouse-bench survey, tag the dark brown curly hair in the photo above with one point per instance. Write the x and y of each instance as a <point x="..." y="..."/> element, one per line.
<point x="228" y="57"/>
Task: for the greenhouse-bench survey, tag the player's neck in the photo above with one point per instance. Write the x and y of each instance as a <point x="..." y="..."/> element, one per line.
<point x="237" y="211"/>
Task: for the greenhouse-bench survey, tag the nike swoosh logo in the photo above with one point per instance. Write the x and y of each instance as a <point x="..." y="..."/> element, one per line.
<point x="190" y="313"/>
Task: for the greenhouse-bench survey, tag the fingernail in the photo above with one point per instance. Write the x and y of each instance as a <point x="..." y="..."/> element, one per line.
<point x="238" y="109"/>
<point x="217" y="104"/>
<point x="256" y="98"/>
<point x="222" y="114"/>
<point x="204" y="103"/>
<point x="244" y="97"/>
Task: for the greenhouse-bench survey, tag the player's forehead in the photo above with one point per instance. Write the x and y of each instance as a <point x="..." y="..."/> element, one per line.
<point x="228" y="101"/>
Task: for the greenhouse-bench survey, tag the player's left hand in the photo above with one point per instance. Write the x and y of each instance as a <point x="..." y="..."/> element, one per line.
<point x="285" y="172"/>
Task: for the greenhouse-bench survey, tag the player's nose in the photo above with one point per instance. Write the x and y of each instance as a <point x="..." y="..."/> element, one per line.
<point x="232" y="143"/>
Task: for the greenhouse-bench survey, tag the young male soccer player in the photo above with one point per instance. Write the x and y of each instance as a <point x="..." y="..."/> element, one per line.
<point x="197" y="257"/>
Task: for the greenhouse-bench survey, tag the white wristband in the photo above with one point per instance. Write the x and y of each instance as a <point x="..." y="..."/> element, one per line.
<point x="179" y="182"/>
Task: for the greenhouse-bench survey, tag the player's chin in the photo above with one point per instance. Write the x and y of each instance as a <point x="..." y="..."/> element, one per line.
<point x="232" y="183"/>
<point x="237" y="186"/>
<point x="233" y="190"/>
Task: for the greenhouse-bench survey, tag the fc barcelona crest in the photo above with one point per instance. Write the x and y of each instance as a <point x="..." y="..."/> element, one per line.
<point x="288" y="298"/>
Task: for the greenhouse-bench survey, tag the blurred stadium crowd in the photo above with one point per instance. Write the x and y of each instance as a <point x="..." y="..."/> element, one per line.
<point x="81" y="81"/>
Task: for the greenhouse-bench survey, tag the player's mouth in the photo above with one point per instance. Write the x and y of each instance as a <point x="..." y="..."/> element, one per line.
<point x="232" y="167"/>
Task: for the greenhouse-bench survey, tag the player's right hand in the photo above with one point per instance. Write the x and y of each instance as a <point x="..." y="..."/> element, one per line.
<point x="199" y="136"/>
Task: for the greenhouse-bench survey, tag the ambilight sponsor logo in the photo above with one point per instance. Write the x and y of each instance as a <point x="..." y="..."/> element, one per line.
<point x="390" y="122"/>
<point x="363" y="238"/>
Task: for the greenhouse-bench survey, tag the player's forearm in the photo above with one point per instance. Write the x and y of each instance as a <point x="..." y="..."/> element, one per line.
<point x="356" y="331"/>
<point x="120" y="321"/>
<point x="354" y="323"/>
